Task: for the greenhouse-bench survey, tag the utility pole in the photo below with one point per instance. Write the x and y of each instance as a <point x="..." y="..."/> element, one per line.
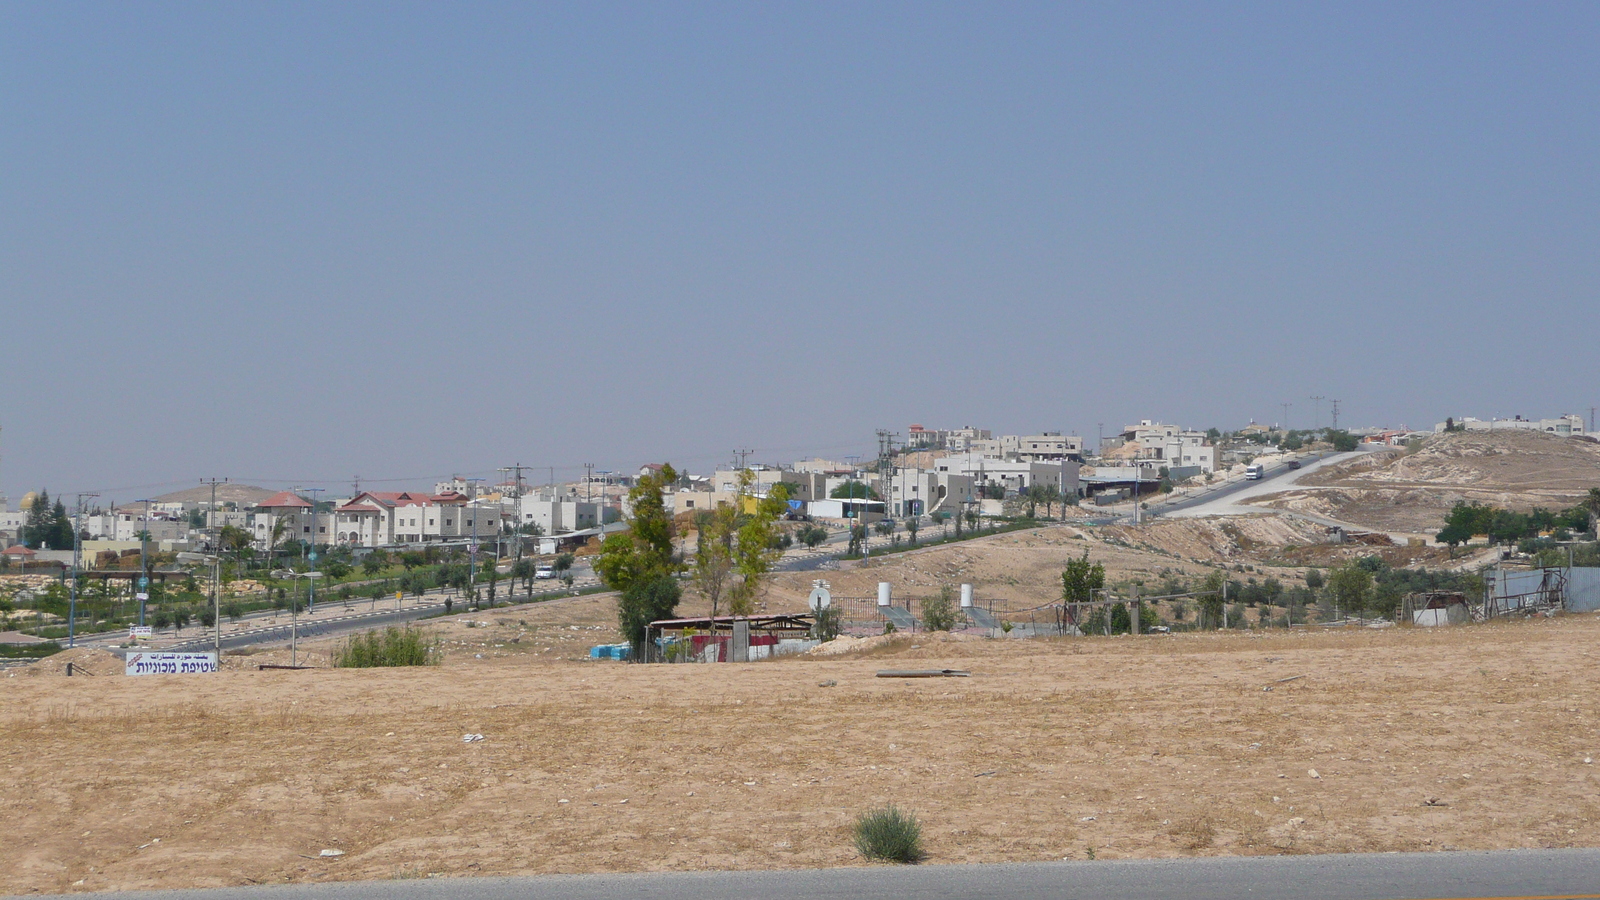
<point x="588" y="479"/>
<point x="1318" y="400"/>
<point x="1335" y="404"/>
<point x="143" y="593"/>
<point x="211" y="513"/>
<point x="1591" y="420"/>
<point x="1285" y="423"/>
<point x="743" y="455"/>
<point x="355" y="487"/>
<point x="311" y="583"/>
<point x="1099" y="437"/>
<point x="516" y="491"/>
<point x="77" y="555"/>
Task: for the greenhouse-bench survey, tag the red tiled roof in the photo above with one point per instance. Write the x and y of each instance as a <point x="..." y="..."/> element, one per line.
<point x="284" y="499"/>
<point x="19" y="550"/>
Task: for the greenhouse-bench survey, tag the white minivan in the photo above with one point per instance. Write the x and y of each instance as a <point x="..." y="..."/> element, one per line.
<point x="1254" y="471"/>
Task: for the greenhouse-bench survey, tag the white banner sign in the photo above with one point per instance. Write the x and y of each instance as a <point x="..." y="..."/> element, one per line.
<point x="153" y="663"/>
<point x="141" y="632"/>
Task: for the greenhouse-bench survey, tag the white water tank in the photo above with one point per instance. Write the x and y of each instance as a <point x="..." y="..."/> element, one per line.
<point x="883" y="593"/>
<point x="966" y="596"/>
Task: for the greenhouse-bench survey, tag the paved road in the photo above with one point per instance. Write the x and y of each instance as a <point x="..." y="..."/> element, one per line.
<point x="1226" y="500"/>
<point x="1396" y="876"/>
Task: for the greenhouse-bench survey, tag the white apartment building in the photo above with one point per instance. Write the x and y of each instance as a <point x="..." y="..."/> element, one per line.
<point x="922" y="492"/>
<point x="1190" y="448"/>
<point x="557" y="516"/>
<point x="1016" y="475"/>
<point x="126" y="524"/>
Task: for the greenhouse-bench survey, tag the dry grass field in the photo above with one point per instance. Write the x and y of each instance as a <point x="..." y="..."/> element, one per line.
<point x="1401" y="739"/>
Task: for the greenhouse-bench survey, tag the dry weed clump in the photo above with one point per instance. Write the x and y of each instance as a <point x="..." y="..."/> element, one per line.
<point x="1194" y="832"/>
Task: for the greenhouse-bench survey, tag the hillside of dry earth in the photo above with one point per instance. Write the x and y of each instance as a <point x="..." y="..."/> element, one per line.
<point x="1411" y="493"/>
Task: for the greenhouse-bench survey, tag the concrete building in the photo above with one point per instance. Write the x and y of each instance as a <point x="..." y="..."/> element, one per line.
<point x="1565" y="426"/>
<point x="803" y="486"/>
<point x="922" y="492"/>
<point x="1047" y="447"/>
<point x="558" y="516"/>
<point x="1014" y="475"/>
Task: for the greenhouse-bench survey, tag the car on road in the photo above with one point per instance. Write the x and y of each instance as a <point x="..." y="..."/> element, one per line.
<point x="1254" y="471"/>
<point x="1294" y="463"/>
<point x="544" y="572"/>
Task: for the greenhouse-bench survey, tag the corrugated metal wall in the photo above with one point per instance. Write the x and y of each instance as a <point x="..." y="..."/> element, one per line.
<point x="1583" y="590"/>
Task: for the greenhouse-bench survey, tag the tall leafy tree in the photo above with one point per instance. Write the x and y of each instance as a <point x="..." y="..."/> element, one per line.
<point x="643" y="601"/>
<point x="644" y="552"/>
<point x="1352" y="588"/>
<point x="854" y="490"/>
<point x="1212" y="601"/>
<point x="713" y="558"/>
<point x="1081" y="578"/>
<point x="755" y="546"/>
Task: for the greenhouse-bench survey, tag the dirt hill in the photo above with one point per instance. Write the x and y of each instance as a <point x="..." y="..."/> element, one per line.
<point x="1411" y="492"/>
<point x="241" y="494"/>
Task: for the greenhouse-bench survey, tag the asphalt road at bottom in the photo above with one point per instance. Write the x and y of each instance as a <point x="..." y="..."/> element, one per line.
<point x="1522" y="874"/>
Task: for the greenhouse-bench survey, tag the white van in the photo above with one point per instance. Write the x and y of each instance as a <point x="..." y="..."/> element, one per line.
<point x="1254" y="471"/>
<point x="543" y="572"/>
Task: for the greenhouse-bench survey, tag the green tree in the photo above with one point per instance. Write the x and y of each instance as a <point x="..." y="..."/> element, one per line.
<point x="47" y="525"/>
<point x="713" y="558"/>
<point x="235" y="540"/>
<point x="812" y="535"/>
<point x="1591" y="505"/>
<point x="753" y="547"/>
<point x="1352" y="588"/>
<point x="1342" y="441"/>
<point x="913" y="525"/>
<point x="643" y="553"/>
<point x="1080" y="579"/>
<point x="1211" y="601"/>
<point x="644" y="601"/>
<point x="525" y="570"/>
<point x="854" y="490"/>
<point x="939" y="613"/>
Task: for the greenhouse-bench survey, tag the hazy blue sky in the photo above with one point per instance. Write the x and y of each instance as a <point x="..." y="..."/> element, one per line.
<point x="292" y="243"/>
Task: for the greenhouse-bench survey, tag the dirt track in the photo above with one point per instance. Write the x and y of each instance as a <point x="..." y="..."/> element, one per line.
<point x="1151" y="746"/>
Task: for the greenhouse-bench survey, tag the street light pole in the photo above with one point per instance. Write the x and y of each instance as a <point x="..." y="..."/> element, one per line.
<point x="143" y="593"/>
<point x="472" y="550"/>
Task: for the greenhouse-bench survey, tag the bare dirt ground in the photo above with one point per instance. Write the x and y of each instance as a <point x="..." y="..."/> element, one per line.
<point x="1403" y="739"/>
<point x="1023" y="569"/>
<point x="1411" y="493"/>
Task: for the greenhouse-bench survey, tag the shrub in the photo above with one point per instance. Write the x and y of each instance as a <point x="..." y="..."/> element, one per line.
<point x="828" y="624"/>
<point x="889" y="834"/>
<point x="939" y="613"/>
<point x="392" y="646"/>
